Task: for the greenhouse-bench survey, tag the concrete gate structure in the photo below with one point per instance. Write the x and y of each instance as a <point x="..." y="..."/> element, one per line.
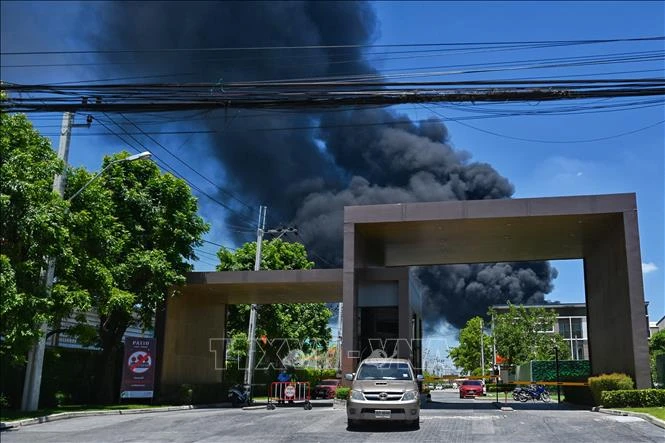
<point x="382" y="241"/>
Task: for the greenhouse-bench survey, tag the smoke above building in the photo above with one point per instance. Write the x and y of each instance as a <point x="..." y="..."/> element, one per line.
<point x="332" y="158"/>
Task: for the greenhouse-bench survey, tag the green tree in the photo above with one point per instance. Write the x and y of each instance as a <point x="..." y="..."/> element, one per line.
<point x="306" y="323"/>
<point x="34" y="227"/>
<point x="133" y="230"/>
<point x="522" y="335"/>
<point x="656" y="348"/>
<point x="467" y="354"/>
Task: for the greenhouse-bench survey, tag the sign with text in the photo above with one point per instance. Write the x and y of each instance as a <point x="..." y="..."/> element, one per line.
<point x="138" y="373"/>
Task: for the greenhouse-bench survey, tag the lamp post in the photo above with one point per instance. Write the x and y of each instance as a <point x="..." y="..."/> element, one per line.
<point x="558" y="384"/>
<point x="33" y="373"/>
<point x="139" y="156"/>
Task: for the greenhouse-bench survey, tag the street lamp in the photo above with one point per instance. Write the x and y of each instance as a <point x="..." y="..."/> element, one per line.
<point x="139" y="156"/>
<point x="33" y="372"/>
<point x="558" y="384"/>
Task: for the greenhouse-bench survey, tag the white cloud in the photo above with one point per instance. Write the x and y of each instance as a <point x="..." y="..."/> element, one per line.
<point x="649" y="267"/>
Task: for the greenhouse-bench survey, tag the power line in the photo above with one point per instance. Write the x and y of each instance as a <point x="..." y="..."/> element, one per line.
<point x="217" y="244"/>
<point x="224" y="191"/>
<point x="168" y="167"/>
<point x="547" y="141"/>
<point x="267" y="48"/>
<point x="484" y="114"/>
<point x="329" y="99"/>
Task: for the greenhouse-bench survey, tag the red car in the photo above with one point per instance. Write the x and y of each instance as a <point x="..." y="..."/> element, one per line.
<point x="470" y="388"/>
<point x="326" y="388"/>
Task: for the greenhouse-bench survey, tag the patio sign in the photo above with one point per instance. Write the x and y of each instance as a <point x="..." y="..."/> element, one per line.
<point x="138" y="373"/>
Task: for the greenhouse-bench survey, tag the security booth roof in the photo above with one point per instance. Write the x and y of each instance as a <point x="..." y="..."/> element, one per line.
<point x="267" y="287"/>
<point x="485" y="231"/>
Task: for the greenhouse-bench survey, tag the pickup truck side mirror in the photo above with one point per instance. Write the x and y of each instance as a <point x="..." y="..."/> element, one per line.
<point x="348" y="377"/>
<point x="420" y="377"/>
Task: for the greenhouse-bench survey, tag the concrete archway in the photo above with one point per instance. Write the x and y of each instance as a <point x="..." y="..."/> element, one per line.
<point x="600" y="229"/>
<point x="381" y="241"/>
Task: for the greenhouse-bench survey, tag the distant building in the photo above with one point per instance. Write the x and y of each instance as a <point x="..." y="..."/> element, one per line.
<point x="571" y="324"/>
<point x="655" y="326"/>
<point x="61" y="339"/>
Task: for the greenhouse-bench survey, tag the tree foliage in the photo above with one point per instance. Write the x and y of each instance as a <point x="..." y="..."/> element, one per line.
<point x="656" y="348"/>
<point x="522" y="334"/>
<point x="657" y="343"/>
<point x="306" y="323"/>
<point x="34" y="227"/>
<point x="467" y="354"/>
<point x="133" y="231"/>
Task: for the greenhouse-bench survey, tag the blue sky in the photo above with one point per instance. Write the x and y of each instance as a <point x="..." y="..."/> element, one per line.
<point x="632" y="163"/>
<point x="557" y="164"/>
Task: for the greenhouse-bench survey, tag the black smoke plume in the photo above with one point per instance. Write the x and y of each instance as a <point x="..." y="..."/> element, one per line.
<point x="307" y="176"/>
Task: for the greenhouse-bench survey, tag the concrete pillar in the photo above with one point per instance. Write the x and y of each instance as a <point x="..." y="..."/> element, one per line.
<point x="615" y="301"/>
<point x="404" y="320"/>
<point x="193" y="340"/>
<point x="350" y="353"/>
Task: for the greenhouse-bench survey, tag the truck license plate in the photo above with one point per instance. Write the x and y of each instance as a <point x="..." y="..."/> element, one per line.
<point x="380" y="413"/>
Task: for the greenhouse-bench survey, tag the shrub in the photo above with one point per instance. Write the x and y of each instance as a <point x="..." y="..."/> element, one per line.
<point x="4" y="401"/>
<point x="639" y="398"/>
<point x="342" y="393"/>
<point x="609" y="382"/>
<point x="62" y="398"/>
<point x="500" y="388"/>
<point x="186" y="394"/>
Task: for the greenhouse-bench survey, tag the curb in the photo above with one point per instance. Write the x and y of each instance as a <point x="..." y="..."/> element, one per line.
<point x="253" y="408"/>
<point x="650" y="418"/>
<point x="501" y="407"/>
<point x="5" y="425"/>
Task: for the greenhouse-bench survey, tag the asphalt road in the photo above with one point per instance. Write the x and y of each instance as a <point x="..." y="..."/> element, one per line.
<point x="446" y="418"/>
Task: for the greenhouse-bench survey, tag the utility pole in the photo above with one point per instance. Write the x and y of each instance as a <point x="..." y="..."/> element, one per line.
<point x="339" y="337"/>
<point x="251" y="332"/>
<point x="252" y="312"/>
<point x="33" y="372"/>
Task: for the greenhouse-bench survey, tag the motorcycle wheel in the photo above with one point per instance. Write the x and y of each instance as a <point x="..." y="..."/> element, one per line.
<point x="545" y="396"/>
<point x="524" y="397"/>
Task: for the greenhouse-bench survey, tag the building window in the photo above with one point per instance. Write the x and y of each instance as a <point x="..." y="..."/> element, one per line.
<point x="576" y="328"/>
<point x="564" y="327"/>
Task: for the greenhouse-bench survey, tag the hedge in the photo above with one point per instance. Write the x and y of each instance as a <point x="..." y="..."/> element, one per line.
<point x="609" y="382"/>
<point x="342" y="393"/>
<point x="638" y="398"/>
<point x="500" y="387"/>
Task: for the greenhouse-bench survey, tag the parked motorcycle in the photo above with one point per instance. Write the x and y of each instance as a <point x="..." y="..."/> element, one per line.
<point x="239" y="395"/>
<point x="533" y="392"/>
<point x="517" y="392"/>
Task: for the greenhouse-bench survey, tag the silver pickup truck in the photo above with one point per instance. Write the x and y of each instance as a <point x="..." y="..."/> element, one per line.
<point x="384" y="389"/>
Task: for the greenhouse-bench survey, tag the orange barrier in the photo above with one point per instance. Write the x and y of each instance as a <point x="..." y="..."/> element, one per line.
<point x="548" y="383"/>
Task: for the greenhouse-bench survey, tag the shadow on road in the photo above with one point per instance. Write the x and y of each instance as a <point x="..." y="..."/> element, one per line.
<point x="383" y="427"/>
<point x="491" y="404"/>
<point x="467" y="405"/>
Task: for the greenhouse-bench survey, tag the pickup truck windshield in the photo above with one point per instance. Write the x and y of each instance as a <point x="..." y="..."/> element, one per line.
<point x="384" y="371"/>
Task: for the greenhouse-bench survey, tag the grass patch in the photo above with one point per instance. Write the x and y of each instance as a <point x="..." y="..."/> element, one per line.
<point x="11" y="415"/>
<point x="657" y="411"/>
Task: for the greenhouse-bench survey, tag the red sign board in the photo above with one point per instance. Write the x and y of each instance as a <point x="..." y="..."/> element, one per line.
<point x="138" y="373"/>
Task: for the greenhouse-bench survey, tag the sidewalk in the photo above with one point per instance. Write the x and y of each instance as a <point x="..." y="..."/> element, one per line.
<point x="650" y="418"/>
<point x="4" y="425"/>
